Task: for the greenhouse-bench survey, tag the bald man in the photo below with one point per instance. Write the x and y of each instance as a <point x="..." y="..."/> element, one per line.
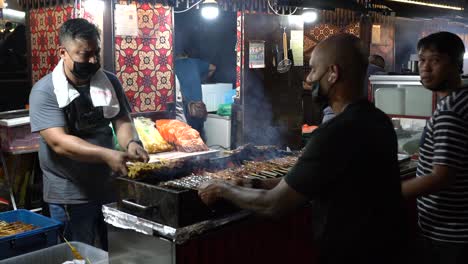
<point x="349" y="168"/>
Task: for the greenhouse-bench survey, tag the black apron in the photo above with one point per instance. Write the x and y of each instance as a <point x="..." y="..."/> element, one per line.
<point x="83" y="119"/>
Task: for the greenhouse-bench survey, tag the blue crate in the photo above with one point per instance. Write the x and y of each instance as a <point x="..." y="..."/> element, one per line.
<point x="45" y="235"/>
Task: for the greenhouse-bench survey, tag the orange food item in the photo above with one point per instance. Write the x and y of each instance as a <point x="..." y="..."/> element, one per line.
<point x="183" y="136"/>
<point x="308" y="129"/>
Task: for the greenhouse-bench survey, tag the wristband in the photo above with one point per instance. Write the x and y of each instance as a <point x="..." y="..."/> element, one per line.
<point x="135" y="141"/>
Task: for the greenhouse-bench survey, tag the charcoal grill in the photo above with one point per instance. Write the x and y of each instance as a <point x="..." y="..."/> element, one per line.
<point x="171" y="198"/>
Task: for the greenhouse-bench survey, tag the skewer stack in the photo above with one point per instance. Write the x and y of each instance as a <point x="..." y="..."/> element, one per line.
<point x="9" y="229"/>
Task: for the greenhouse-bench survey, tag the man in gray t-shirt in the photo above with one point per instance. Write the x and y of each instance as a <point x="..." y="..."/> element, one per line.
<point x="72" y="109"/>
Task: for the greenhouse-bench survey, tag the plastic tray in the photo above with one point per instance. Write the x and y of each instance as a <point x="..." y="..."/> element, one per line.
<point x="59" y="254"/>
<point x="45" y="235"/>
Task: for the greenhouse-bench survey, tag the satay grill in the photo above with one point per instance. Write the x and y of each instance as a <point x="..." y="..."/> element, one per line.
<point x="168" y="195"/>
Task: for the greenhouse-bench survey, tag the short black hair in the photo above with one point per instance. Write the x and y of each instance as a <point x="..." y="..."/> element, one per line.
<point x="8" y="24"/>
<point x="78" y="28"/>
<point x="445" y="43"/>
<point x="377" y="58"/>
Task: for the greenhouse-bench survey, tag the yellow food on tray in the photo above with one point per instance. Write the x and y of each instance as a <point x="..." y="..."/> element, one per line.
<point x="9" y="229"/>
<point x="152" y="140"/>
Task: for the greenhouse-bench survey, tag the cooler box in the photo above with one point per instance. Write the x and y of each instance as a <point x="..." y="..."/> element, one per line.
<point x="59" y="254"/>
<point x="45" y="235"/>
<point x="213" y="95"/>
<point x="218" y="131"/>
<point x="15" y="135"/>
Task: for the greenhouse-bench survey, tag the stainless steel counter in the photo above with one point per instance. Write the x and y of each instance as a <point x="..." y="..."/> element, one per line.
<point x="113" y="216"/>
<point x="136" y="240"/>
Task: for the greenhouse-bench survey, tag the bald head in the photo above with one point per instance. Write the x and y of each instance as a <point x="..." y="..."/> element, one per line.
<point x="347" y="52"/>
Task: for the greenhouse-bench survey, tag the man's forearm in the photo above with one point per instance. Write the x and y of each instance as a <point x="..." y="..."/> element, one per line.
<point x="269" y="184"/>
<point x="125" y="132"/>
<point x="422" y="185"/>
<point x="255" y="200"/>
<point x="78" y="149"/>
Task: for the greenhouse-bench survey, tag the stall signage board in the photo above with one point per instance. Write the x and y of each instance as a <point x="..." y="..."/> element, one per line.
<point x="256" y="54"/>
<point x="126" y="22"/>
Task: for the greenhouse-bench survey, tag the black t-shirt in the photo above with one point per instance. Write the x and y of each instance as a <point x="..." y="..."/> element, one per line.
<point x="349" y="170"/>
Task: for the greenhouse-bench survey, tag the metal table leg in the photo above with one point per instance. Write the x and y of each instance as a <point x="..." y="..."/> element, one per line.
<point x="8" y="179"/>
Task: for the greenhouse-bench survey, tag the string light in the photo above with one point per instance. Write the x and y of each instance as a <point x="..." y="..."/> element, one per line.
<point x="428" y="4"/>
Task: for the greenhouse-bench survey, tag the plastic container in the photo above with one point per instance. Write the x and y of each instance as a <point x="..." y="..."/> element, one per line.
<point x="229" y="96"/>
<point x="59" y="254"/>
<point x="45" y="235"/>
<point x="16" y="135"/>
<point x="218" y="131"/>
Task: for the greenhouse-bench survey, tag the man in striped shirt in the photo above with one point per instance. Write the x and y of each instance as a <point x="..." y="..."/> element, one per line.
<point x="441" y="185"/>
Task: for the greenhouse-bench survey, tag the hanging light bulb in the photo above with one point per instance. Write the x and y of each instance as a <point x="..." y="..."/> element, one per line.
<point x="309" y="15"/>
<point x="209" y="9"/>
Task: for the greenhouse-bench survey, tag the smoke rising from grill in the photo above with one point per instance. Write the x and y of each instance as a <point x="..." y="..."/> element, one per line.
<point x="259" y="128"/>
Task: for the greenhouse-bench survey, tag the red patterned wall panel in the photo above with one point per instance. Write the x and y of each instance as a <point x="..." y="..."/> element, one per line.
<point x="44" y="23"/>
<point x="144" y="64"/>
<point x="318" y="32"/>
<point x="239" y="58"/>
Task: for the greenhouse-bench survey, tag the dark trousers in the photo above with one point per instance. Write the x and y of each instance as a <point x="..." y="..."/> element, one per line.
<point x="81" y="222"/>
<point x="437" y="252"/>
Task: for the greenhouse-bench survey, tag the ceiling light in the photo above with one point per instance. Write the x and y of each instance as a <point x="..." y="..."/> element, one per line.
<point x="209" y="9"/>
<point x="309" y="15"/>
<point x="428" y="4"/>
<point x="14" y="14"/>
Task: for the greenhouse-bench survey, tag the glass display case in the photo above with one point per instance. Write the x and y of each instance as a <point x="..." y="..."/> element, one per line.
<point x="402" y="96"/>
<point x="407" y="102"/>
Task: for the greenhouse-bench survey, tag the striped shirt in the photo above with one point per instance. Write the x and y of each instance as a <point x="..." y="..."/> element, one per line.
<point x="443" y="215"/>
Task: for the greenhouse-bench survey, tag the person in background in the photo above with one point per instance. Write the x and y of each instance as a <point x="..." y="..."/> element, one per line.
<point x="441" y="183"/>
<point x="13" y="49"/>
<point x="357" y="205"/>
<point x="179" y="106"/>
<point x="191" y="72"/>
<point x="6" y="31"/>
<point x="72" y="108"/>
<point x="376" y="67"/>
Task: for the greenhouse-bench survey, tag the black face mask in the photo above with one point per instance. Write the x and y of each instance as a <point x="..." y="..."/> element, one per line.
<point x="85" y="70"/>
<point x="317" y="95"/>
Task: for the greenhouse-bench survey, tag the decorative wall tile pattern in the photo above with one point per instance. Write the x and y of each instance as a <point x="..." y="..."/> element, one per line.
<point x="239" y="46"/>
<point x="316" y="33"/>
<point x="44" y="25"/>
<point x="144" y="64"/>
